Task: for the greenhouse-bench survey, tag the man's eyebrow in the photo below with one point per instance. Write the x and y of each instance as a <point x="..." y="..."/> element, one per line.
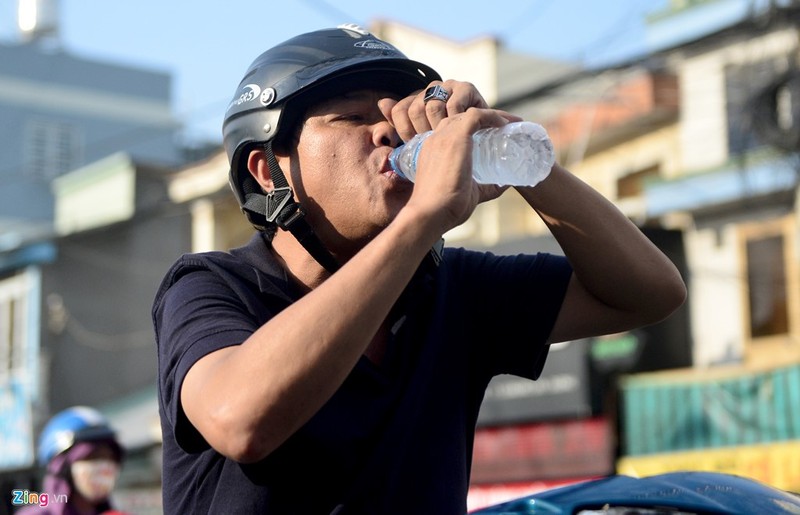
<point x="356" y="95"/>
<point x="360" y="95"/>
<point x="349" y="96"/>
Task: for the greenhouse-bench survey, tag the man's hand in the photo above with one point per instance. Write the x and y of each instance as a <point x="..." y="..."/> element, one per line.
<point x="412" y="115"/>
<point x="448" y="188"/>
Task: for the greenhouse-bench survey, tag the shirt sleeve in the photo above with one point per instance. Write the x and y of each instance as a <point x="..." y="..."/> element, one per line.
<point x="513" y="302"/>
<point x="197" y="315"/>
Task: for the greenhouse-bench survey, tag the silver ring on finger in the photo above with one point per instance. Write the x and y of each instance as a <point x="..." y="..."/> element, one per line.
<point x="436" y="92"/>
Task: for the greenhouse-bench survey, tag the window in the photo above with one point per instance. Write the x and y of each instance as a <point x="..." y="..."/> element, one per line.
<point x="632" y="184"/>
<point x="51" y="149"/>
<point x="19" y="373"/>
<point x="13" y="328"/>
<point x="742" y="84"/>
<point x="766" y="281"/>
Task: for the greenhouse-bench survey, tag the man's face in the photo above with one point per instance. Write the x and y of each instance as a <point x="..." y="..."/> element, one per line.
<point x="340" y="171"/>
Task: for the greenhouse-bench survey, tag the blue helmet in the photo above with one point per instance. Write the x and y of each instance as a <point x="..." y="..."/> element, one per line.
<point x="71" y="426"/>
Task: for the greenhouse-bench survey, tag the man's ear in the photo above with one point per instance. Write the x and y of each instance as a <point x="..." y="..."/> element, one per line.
<point x="259" y="168"/>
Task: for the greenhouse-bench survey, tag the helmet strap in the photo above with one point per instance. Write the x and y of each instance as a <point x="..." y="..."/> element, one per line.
<point x="281" y="209"/>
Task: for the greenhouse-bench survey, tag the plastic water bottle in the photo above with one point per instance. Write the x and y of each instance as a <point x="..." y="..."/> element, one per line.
<point x="516" y="154"/>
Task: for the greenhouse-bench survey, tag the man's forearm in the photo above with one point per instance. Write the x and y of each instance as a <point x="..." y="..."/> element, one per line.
<point x="249" y="401"/>
<point x="612" y="258"/>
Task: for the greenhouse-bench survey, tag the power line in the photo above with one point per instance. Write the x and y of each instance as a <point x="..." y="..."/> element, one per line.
<point x="525" y="18"/>
<point x="335" y="14"/>
<point x="613" y="35"/>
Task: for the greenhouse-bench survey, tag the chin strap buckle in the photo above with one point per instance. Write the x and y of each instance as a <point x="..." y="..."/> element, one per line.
<point x="277" y="200"/>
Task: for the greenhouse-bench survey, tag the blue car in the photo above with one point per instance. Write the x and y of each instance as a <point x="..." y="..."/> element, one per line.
<point x="674" y="493"/>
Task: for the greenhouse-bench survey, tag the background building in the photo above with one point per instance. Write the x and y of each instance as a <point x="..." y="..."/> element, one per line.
<point x="73" y="331"/>
<point x="697" y="143"/>
<point x="61" y="111"/>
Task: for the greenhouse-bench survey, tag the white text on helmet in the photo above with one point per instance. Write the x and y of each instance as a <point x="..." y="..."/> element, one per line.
<point x="373" y="44"/>
<point x="249" y="92"/>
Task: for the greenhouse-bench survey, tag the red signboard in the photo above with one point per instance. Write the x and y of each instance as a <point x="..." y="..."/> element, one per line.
<point x="481" y="496"/>
<point x="544" y="451"/>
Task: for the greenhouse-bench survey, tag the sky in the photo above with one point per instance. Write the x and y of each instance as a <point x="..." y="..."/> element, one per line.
<point x="206" y="46"/>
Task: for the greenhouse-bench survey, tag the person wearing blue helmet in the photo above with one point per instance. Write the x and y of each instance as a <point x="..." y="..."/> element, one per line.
<point x="337" y="362"/>
<point x="81" y="456"/>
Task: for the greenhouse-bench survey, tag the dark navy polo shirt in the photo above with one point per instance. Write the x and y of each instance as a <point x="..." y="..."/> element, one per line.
<point x="393" y="439"/>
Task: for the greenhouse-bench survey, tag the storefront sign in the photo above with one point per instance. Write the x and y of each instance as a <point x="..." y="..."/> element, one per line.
<point x="561" y="391"/>
<point x="776" y="464"/>
<point x="556" y="450"/>
<point x="682" y="411"/>
<point x="16" y="427"/>
<point x="486" y="495"/>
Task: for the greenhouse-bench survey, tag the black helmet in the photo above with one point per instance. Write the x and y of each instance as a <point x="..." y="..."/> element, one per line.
<point x="283" y="81"/>
<point x="294" y="69"/>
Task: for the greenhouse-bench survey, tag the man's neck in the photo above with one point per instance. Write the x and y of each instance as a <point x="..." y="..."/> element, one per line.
<point x="299" y="264"/>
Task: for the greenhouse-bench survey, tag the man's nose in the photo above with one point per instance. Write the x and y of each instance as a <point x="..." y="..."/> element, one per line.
<point x="386" y="135"/>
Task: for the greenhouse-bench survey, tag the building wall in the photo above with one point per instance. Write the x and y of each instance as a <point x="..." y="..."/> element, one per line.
<point x="97" y="339"/>
<point x="715" y="289"/>
<point x="770" y="287"/>
<point x="732" y="411"/>
<point x="719" y="289"/>
<point x="703" y="126"/>
<point x="717" y="259"/>
<point x="474" y="61"/>
<point x="61" y="112"/>
<point x="704" y="116"/>
<point x="603" y="170"/>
